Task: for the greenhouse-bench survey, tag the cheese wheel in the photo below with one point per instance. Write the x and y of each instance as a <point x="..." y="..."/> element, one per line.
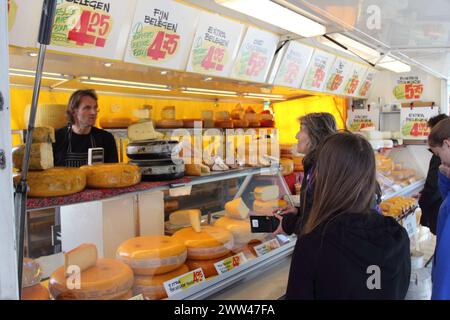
<point x="110" y="278"/>
<point x="207" y="266"/>
<point x="41" y="156"/>
<point x="152" y="287"/>
<point x="112" y="175"/>
<point x="208" y="123"/>
<point x="207" y="115"/>
<point x="55" y="182"/>
<point x="126" y="296"/>
<point x="143" y="131"/>
<point x="251" y="117"/>
<point x="267" y="193"/>
<point x="169" y="124"/>
<point x="48" y="115"/>
<point x="287" y="166"/>
<point x="241" y="230"/>
<point x="43" y="134"/>
<point x="240" y="123"/>
<point x="168" y="113"/>
<point x="192" y="123"/>
<point x="254" y="124"/>
<point x="222" y="115"/>
<point x="31" y="274"/>
<point x="265" y="207"/>
<point x="236" y="209"/>
<point x="212" y="242"/>
<point x="193" y="169"/>
<point x="36" y="292"/>
<point x="267" y="123"/>
<point x="226" y="124"/>
<point x="115" y="122"/>
<point x="151" y="255"/>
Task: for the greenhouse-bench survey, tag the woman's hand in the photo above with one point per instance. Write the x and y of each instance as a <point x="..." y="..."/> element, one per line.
<point x="279" y="215"/>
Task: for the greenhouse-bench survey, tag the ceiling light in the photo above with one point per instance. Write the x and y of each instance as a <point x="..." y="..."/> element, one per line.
<point x="264" y="96"/>
<point x="124" y="84"/>
<point x="108" y="64"/>
<point x="31" y="74"/>
<point x="394" y="65"/>
<point x="207" y="79"/>
<point x="353" y="47"/>
<point x="164" y="72"/>
<point x="277" y="15"/>
<point x="32" y="54"/>
<point x="209" y="92"/>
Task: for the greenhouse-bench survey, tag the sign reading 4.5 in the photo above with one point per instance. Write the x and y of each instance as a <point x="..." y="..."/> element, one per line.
<point x="92" y="28"/>
<point x="164" y="43"/>
<point x="214" y="59"/>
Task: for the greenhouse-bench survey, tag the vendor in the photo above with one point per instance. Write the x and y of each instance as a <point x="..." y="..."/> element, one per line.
<point x="73" y="142"/>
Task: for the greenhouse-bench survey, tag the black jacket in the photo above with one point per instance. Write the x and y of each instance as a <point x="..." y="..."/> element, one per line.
<point x="430" y="200"/>
<point x="333" y="261"/>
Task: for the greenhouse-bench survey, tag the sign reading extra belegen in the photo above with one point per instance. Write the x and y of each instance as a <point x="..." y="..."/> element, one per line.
<point x="93" y="28"/>
<point x="161" y="34"/>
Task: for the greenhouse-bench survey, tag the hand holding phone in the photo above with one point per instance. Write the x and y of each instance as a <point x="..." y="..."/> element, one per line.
<point x="264" y="224"/>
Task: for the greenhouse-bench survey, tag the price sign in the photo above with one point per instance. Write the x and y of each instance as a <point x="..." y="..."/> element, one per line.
<point x="318" y="68"/>
<point x="23" y="22"/>
<point x="410" y="224"/>
<point x="161" y="34"/>
<point x="292" y="67"/>
<point x="358" y="119"/>
<point x="356" y="73"/>
<point x="184" y="282"/>
<point x="266" y="247"/>
<point x="367" y="83"/>
<point x="92" y="27"/>
<point x="230" y="263"/>
<point x="414" y="122"/>
<point x="215" y="45"/>
<point x="255" y="56"/>
<point x="409" y="87"/>
<point x="338" y="75"/>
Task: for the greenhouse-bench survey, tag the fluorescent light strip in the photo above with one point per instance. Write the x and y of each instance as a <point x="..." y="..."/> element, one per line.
<point x="277" y="15"/>
<point x="264" y="95"/>
<point x="394" y="65"/>
<point x="99" y="83"/>
<point x="264" y="98"/>
<point x="353" y="46"/>
<point x="153" y="85"/>
<point x="31" y="74"/>
<point x="209" y="93"/>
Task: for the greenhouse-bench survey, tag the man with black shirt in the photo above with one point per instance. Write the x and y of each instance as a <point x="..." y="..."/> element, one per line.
<point x="73" y="142"/>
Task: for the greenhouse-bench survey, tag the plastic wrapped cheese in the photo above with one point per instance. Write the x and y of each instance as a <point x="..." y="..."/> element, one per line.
<point x="267" y="193"/>
<point x="112" y="175"/>
<point x="110" y="278"/>
<point x="151" y="255"/>
<point x="240" y="229"/>
<point x="212" y="242"/>
<point x="31" y="274"/>
<point x="236" y="209"/>
<point x="41" y="156"/>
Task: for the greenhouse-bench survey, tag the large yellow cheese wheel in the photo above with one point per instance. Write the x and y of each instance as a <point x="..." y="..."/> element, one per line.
<point x="116" y="122"/>
<point x="36" y="292"/>
<point x="240" y="229"/>
<point x="206" y="265"/>
<point x="212" y="242"/>
<point x="112" y="175"/>
<point x="152" y="254"/>
<point x="126" y="296"/>
<point x="152" y="287"/>
<point x="109" y="279"/>
<point x="48" y="115"/>
<point x="55" y="182"/>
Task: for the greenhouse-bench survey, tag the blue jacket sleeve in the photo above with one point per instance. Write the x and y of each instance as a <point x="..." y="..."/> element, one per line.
<point x="444" y="185"/>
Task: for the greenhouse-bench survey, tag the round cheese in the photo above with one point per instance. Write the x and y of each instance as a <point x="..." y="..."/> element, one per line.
<point x="31" y="274"/>
<point x="240" y="229"/>
<point x="151" y="255"/>
<point x="115" y="122"/>
<point x="55" y="182"/>
<point x="36" y="292"/>
<point x="126" y="296"/>
<point x="169" y="124"/>
<point x="110" y="278"/>
<point x="48" y="115"/>
<point x="212" y="242"/>
<point x="112" y="175"/>
<point x="152" y="287"/>
<point x="192" y="123"/>
<point x="206" y="265"/>
<point x="168" y="113"/>
<point x="226" y="124"/>
<point x="240" y="123"/>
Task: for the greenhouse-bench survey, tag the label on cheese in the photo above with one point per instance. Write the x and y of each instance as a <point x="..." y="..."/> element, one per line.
<point x="184" y="282"/>
<point x="237" y="209"/>
<point x="143" y="131"/>
<point x="267" y="193"/>
<point x="266" y="247"/>
<point x="84" y="257"/>
<point x="230" y="263"/>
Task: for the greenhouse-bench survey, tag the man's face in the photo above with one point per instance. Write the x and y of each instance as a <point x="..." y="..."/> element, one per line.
<point x="443" y="152"/>
<point x="86" y="114"/>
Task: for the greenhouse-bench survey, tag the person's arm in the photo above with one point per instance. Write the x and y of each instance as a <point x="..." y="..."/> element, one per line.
<point x="111" y="155"/>
<point x="441" y="268"/>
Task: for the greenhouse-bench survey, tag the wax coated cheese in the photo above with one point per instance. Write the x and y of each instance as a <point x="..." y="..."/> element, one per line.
<point x="112" y="175"/>
<point x="41" y="156"/>
<point x="237" y="209"/>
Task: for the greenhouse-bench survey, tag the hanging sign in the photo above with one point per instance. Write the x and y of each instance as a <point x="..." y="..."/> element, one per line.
<point x="358" y="119"/>
<point x="367" y="83"/>
<point x="215" y="47"/>
<point x="357" y="71"/>
<point x="293" y="65"/>
<point x="317" y="71"/>
<point x="161" y="34"/>
<point x="338" y="75"/>
<point x="255" y="55"/>
<point x="413" y="122"/>
<point x="93" y="28"/>
<point x="23" y="22"/>
<point x="408" y="87"/>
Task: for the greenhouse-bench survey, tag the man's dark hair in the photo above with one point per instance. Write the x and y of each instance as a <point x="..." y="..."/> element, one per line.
<point x="75" y="100"/>
<point x="432" y="122"/>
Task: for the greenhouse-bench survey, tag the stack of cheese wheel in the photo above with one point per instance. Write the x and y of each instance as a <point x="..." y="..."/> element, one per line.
<point x="154" y="260"/>
<point x="55" y="182"/>
<point x="208" y="118"/>
<point x="266" y="119"/>
<point x="223" y="120"/>
<point x="252" y="118"/>
<point x="237" y="115"/>
<point x="112" y="175"/>
<point x="48" y="115"/>
<point x="85" y="277"/>
<point x="31" y="278"/>
<point x="267" y="200"/>
<point x="168" y="115"/>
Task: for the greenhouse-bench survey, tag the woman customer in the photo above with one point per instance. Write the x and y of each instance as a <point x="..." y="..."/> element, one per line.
<point x="314" y="128"/>
<point x="347" y="250"/>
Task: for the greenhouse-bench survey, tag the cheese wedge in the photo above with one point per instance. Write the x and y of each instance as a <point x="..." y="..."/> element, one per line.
<point x="168" y="113"/>
<point x="44" y="134"/>
<point x="187" y="217"/>
<point x="84" y="257"/>
<point x="267" y="193"/>
<point x="207" y="115"/>
<point x="41" y="156"/>
<point x="237" y="209"/>
<point x="143" y="131"/>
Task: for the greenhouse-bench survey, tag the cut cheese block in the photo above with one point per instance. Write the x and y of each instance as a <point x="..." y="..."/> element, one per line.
<point x="240" y="123"/>
<point x="112" y="175"/>
<point x="31" y="274"/>
<point x="115" y="122"/>
<point x="251" y="117"/>
<point x="168" y="113"/>
<point x="267" y="193"/>
<point x="84" y="257"/>
<point x="287" y="166"/>
<point x="186" y="217"/>
<point x="236" y="209"/>
<point x="195" y="169"/>
<point x="152" y="254"/>
<point x="266" y="207"/>
<point x="169" y="124"/>
<point x="212" y="242"/>
<point x="37" y="292"/>
<point x="220" y="167"/>
<point x="222" y="116"/>
<point x="208" y="123"/>
<point x="110" y="278"/>
<point x="224" y="124"/>
<point x="206" y="265"/>
<point x="55" y="182"/>
<point x="41" y="156"/>
<point x="152" y="287"/>
<point x="143" y="131"/>
<point x="192" y="123"/>
<point x="43" y="134"/>
<point x="207" y="115"/>
<point x="48" y="115"/>
<point x="240" y="229"/>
